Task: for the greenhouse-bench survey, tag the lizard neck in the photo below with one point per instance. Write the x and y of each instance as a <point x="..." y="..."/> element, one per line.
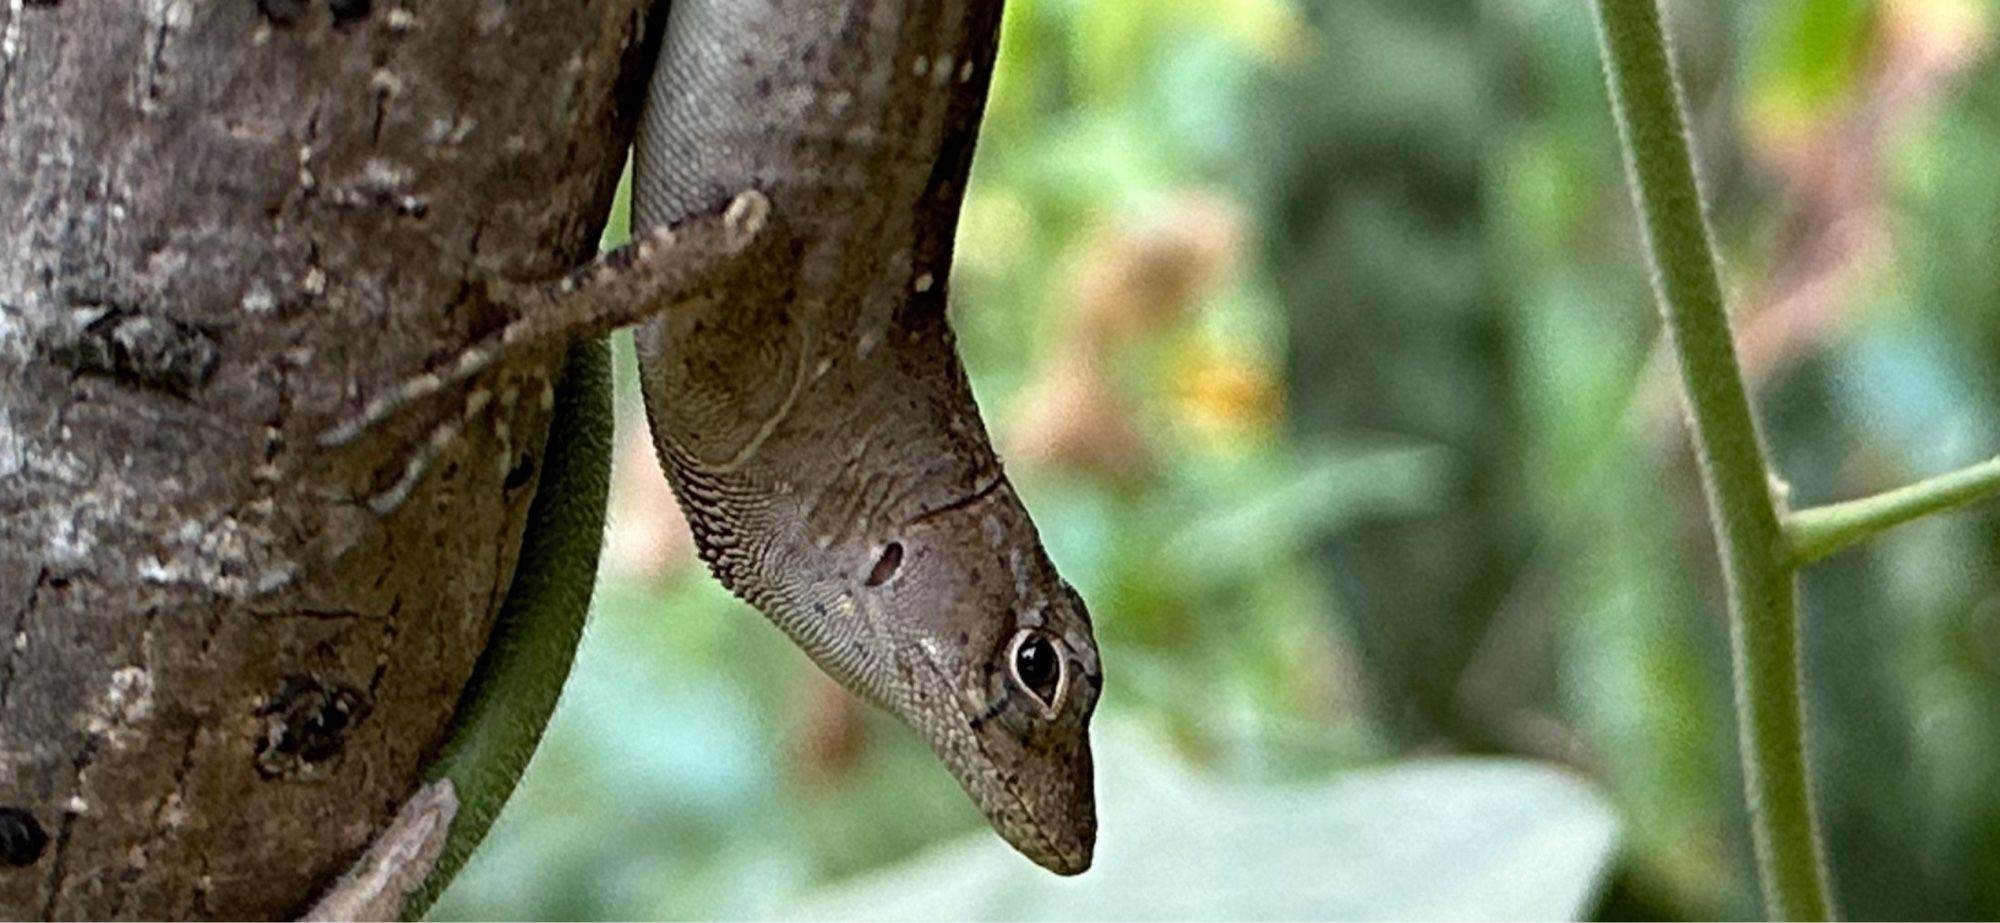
<point x="818" y="104"/>
<point x="831" y="354"/>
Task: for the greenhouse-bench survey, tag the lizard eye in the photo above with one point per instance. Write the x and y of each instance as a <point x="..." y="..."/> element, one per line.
<point x="1036" y="667"/>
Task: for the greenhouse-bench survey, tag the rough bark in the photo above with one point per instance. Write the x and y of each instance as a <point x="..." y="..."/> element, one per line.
<point x="224" y="224"/>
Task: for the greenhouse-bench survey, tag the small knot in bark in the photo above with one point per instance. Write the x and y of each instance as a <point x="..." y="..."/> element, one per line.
<point x="306" y="723"/>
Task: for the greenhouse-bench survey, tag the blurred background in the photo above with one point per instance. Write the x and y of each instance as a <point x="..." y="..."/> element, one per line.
<point x="1317" y="338"/>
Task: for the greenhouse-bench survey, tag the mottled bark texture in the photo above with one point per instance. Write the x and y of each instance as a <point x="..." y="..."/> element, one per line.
<point x="224" y="224"/>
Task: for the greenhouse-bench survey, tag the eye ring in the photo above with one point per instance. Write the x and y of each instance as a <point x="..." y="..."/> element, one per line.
<point x="1037" y="665"/>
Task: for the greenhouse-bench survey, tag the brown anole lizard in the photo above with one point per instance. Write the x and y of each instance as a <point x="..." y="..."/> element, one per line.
<point x="798" y="176"/>
<point x="812" y="413"/>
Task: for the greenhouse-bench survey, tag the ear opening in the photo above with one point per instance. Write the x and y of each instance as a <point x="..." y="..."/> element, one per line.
<point x="886" y="565"/>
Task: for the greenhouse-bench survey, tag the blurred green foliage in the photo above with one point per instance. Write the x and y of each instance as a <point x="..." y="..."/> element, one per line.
<point x="1381" y="460"/>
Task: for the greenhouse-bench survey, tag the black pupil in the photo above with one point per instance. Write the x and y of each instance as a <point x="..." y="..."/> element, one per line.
<point x="1035" y="662"/>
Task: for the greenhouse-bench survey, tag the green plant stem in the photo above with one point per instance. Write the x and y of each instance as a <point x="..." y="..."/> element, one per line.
<point x="1820" y="531"/>
<point x="1755" y="556"/>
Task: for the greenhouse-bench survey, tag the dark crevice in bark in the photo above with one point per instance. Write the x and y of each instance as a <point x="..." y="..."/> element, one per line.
<point x="349" y="12"/>
<point x="60" y="852"/>
<point x="387" y="645"/>
<point x="163" y="820"/>
<point x="156" y="60"/>
<point x="163" y="823"/>
<point x="74" y="807"/>
<point x="198" y="907"/>
<point x="20" y="621"/>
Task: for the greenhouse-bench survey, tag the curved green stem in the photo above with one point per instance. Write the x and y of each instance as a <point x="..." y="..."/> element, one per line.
<point x="1755" y="555"/>
<point x="1823" y="530"/>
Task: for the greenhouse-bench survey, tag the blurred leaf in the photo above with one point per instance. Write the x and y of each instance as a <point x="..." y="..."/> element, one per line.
<point x="1111" y="36"/>
<point x="1808" y="62"/>
<point x="1283" y="514"/>
<point x="1446" y="839"/>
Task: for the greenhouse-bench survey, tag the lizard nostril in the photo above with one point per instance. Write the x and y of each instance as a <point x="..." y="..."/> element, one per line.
<point x="886" y="565"/>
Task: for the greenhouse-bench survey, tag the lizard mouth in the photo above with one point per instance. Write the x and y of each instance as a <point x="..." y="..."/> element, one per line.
<point x="1057" y="831"/>
<point x="1017" y="823"/>
<point x="1012" y="816"/>
<point x="1055" y="858"/>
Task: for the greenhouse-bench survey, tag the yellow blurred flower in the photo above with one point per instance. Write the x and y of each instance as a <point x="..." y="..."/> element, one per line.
<point x="1225" y="395"/>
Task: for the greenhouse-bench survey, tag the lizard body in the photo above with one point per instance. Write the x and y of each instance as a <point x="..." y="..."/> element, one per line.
<point x="811" y="410"/>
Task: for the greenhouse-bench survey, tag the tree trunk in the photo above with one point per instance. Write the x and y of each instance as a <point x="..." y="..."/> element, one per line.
<point x="224" y="226"/>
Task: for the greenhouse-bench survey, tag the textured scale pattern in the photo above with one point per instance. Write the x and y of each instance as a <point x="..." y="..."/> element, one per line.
<point x="812" y="413"/>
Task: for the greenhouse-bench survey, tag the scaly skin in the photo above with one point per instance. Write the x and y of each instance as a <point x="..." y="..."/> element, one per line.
<point x="812" y="413"/>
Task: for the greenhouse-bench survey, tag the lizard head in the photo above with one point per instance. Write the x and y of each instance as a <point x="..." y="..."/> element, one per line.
<point x="996" y="666"/>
